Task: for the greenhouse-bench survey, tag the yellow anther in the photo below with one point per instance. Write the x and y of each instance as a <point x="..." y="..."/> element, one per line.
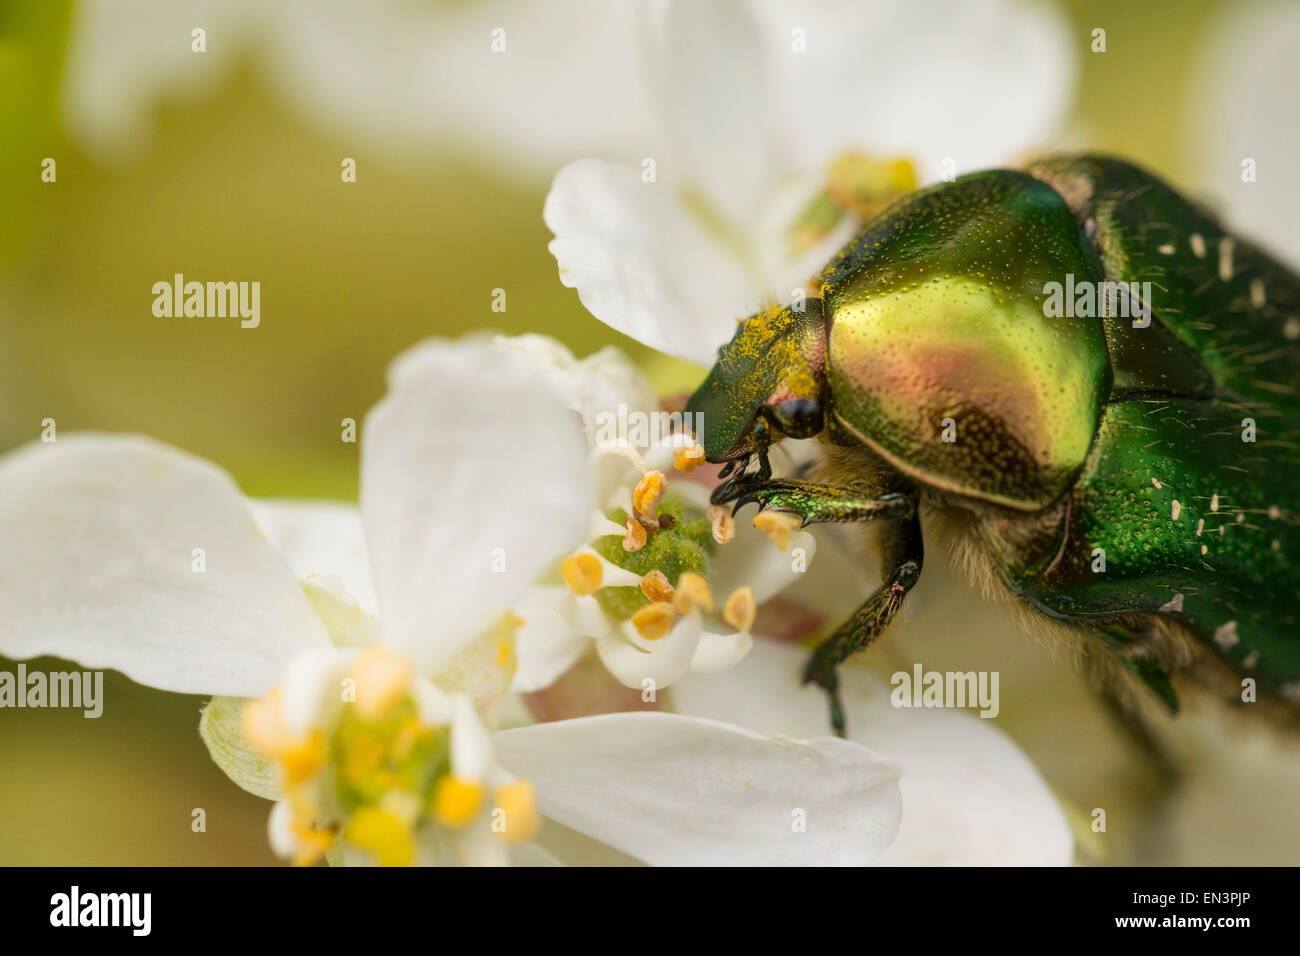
<point x="582" y="573"/>
<point x="655" y="586"/>
<point x="740" y="609"/>
<point x="312" y="844"/>
<point x="654" y="621"/>
<point x="382" y="677"/>
<point x="303" y="759"/>
<point x="688" y="459"/>
<point x="724" y="526"/>
<point x="383" y="833"/>
<point x="519" y="820"/>
<point x="692" y="591"/>
<point x="645" y="499"/>
<point x="778" y="527"/>
<point x="455" y="801"/>
<point x="634" y="537"/>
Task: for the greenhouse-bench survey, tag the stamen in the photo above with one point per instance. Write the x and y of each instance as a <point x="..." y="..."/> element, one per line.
<point x="634" y="535"/>
<point x="740" y="609"/>
<point x="382" y="679"/>
<point x="645" y="499"/>
<point x="688" y="459"/>
<point x="654" y="621"/>
<point x="382" y="832"/>
<point x="779" y="527"/>
<point x="582" y="573"/>
<point x="455" y="801"/>
<point x="518" y="803"/>
<point x="692" y="591"/>
<point x="724" y="526"/>
<point x="655" y="587"/>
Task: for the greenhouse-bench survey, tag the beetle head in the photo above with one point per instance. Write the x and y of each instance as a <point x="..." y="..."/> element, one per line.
<point x="767" y="384"/>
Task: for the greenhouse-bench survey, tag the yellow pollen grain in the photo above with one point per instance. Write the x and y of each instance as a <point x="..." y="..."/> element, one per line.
<point x="517" y="802"/>
<point x="648" y="492"/>
<point x="654" y="621"/>
<point x="688" y="459"/>
<point x="692" y="591"/>
<point x="740" y="609"/>
<point x="778" y="527"/>
<point x="382" y="678"/>
<point x="455" y="801"/>
<point x="724" y="526"/>
<point x="634" y="536"/>
<point x="656" y="588"/>
<point x="582" y="573"/>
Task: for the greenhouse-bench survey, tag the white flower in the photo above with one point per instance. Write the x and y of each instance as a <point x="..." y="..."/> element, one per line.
<point x="386" y="76"/>
<point x="641" y="588"/>
<point x="756" y="180"/>
<point x="120" y="552"/>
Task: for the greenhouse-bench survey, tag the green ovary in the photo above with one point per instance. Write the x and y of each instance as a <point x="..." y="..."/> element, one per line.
<point x="687" y="546"/>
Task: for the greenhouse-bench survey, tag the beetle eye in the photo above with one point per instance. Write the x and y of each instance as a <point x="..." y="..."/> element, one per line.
<point x="800" y="417"/>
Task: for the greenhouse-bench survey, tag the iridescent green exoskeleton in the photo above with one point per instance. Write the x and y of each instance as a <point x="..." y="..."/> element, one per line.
<point x="1124" y="459"/>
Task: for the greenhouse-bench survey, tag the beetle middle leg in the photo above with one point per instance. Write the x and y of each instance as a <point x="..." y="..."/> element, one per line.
<point x="903" y="553"/>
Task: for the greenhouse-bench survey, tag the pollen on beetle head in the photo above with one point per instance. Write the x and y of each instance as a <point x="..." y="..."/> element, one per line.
<point x="740" y="609"/>
<point x="779" y="527"/>
<point x="688" y="459"/>
<point x="692" y="592"/>
<point x="634" y="535"/>
<point x="382" y="677"/>
<point x="722" y="523"/>
<point x="520" y="820"/>
<point x="654" y="621"/>
<point x="645" y="498"/>
<point x="656" y="588"/>
<point x="582" y="573"/>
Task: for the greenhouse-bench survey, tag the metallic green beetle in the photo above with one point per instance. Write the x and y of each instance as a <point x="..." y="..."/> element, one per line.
<point x="1134" y="477"/>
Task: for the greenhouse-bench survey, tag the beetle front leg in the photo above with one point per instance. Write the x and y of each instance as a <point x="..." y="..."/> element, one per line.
<point x="903" y="554"/>
<point x="816" y="502"/>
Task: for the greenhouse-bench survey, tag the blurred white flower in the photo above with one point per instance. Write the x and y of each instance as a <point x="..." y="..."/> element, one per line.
<point x="395" y="77"/>
<point x="1242" y="105"/>
<point x="370" y="732"/>
<point x="781" y="124"/>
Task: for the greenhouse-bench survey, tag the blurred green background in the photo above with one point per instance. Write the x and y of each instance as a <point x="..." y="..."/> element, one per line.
<point x="233" y="183"/>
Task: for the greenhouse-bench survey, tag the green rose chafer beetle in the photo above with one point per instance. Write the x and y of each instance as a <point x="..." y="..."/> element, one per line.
<point x="1131" y="474"/>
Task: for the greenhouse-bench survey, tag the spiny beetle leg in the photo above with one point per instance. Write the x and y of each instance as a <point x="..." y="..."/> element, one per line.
<point x="904" y="555"/>
<point x="814" y="502"/>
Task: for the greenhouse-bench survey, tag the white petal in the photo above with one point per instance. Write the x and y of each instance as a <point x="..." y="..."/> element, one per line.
<point x="594" y="387"/>
<point x="320" y="538"/>
<point x="642" y="263"/>
<point x="674" y="790"/>
<point x="470" y="462"/>
<point x="970" y="796"/>
<point x="663" y="666"/>
<point x="546" y="645"/>
<point x="97" y="563"/>
<point x="313" y="687"/>
<point x="718" y="652"/>
<point x="709" y="65"/>
<point x="974" y="82"/>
